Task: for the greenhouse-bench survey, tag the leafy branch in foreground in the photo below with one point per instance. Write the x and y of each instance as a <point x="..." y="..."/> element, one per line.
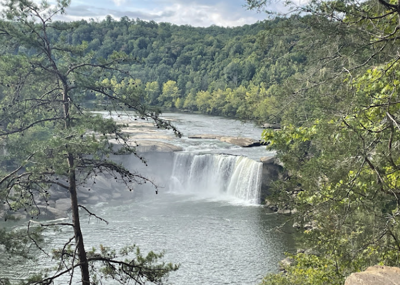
<point x="340" y="141"/>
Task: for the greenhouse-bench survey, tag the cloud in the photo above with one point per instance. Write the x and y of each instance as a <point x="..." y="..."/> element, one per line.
<point x="119" y="2"/>
<point x="201" y="13"/>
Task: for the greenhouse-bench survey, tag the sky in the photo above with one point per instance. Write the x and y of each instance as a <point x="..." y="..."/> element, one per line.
<point x="197" y="13"/>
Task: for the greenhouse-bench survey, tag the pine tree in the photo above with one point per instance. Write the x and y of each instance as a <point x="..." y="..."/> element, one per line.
<point x="51" y="141"/>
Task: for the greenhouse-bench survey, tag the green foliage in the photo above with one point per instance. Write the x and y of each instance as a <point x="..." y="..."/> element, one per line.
<point x="196" y="59"/>
<point x="308" y="269"/>
<point x="340" y="138"/>
<point x="349" y="194"/>
<point x="170" y="93"/>
<point x="145" y="267"/>
<point x="16" y="243"/>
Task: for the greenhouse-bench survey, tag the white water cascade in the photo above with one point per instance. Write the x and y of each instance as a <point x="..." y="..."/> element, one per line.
<point x="216" y="175"/>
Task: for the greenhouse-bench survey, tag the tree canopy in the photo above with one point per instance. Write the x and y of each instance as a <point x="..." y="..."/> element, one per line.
<point x="251" y="58"/>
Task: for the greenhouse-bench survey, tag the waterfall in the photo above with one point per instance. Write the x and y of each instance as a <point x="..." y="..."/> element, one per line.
<point x="216" y="175"/>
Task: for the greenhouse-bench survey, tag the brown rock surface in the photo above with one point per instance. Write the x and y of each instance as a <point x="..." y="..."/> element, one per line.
<point x="268" y="159"/>
<point x="375" y="275"/>
<point x="243" y="142"/>
<point x="239" y="141"/>
<point x="156" y="146"/>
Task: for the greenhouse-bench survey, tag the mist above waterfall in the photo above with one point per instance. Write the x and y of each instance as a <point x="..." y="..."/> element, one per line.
<point x="217" y="175"/>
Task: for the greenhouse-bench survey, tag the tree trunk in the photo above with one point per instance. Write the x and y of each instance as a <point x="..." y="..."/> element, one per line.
<point x="84" y="266"/>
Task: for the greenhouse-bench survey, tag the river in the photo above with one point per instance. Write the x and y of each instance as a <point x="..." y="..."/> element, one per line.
<point x="217" y="239"/>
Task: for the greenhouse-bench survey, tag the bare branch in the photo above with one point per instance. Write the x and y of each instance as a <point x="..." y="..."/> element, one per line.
<point x="34" y="241"/>
<point x="91" y="214"/>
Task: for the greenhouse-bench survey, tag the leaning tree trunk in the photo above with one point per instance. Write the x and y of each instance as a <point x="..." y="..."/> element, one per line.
<point x="84" y="266"/>
<point x="83" y="263"/>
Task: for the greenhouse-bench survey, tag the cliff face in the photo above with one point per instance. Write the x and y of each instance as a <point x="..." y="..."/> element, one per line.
<point x="375" y="275"/>
<point x="272" y="171"/>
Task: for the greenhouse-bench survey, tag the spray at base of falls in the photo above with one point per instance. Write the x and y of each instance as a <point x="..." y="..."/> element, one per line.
<point x="217" y="174"/>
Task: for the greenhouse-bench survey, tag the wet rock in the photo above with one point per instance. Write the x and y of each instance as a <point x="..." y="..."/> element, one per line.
<point x="283" y="264"/>
<point x="270" y="206"/>
<point x="271" y="126"/>
<point x="375" y="275"/>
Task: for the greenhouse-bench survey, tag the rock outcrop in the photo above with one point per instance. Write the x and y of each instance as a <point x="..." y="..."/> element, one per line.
<point x="375" y="275"/>
<point x="272" y="171"/>
<point x="156" y="146"/>
<point x="271" y="126"/>
<point x="239" y="141"/>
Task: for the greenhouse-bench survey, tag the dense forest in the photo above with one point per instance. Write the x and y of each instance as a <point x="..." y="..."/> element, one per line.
<point x="232" y="72"/>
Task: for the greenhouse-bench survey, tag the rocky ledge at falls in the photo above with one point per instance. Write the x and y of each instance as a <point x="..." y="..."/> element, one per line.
<point x="239" y="141"/>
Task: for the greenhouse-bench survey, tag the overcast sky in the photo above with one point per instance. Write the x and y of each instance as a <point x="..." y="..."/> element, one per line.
<point x="198" y="13"/>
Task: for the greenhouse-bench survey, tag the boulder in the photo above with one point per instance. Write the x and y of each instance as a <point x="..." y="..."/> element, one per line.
<point x="271" y="126"/>
<point x="375" y="275"/>
<point x="240" y="141"/>
<point x="268" y="159"/>
<point x="283" y="264"/>
<point x="156" y="146"/>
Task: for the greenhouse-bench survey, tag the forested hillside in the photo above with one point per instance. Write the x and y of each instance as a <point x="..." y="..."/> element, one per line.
<point x="221" y="71"/>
